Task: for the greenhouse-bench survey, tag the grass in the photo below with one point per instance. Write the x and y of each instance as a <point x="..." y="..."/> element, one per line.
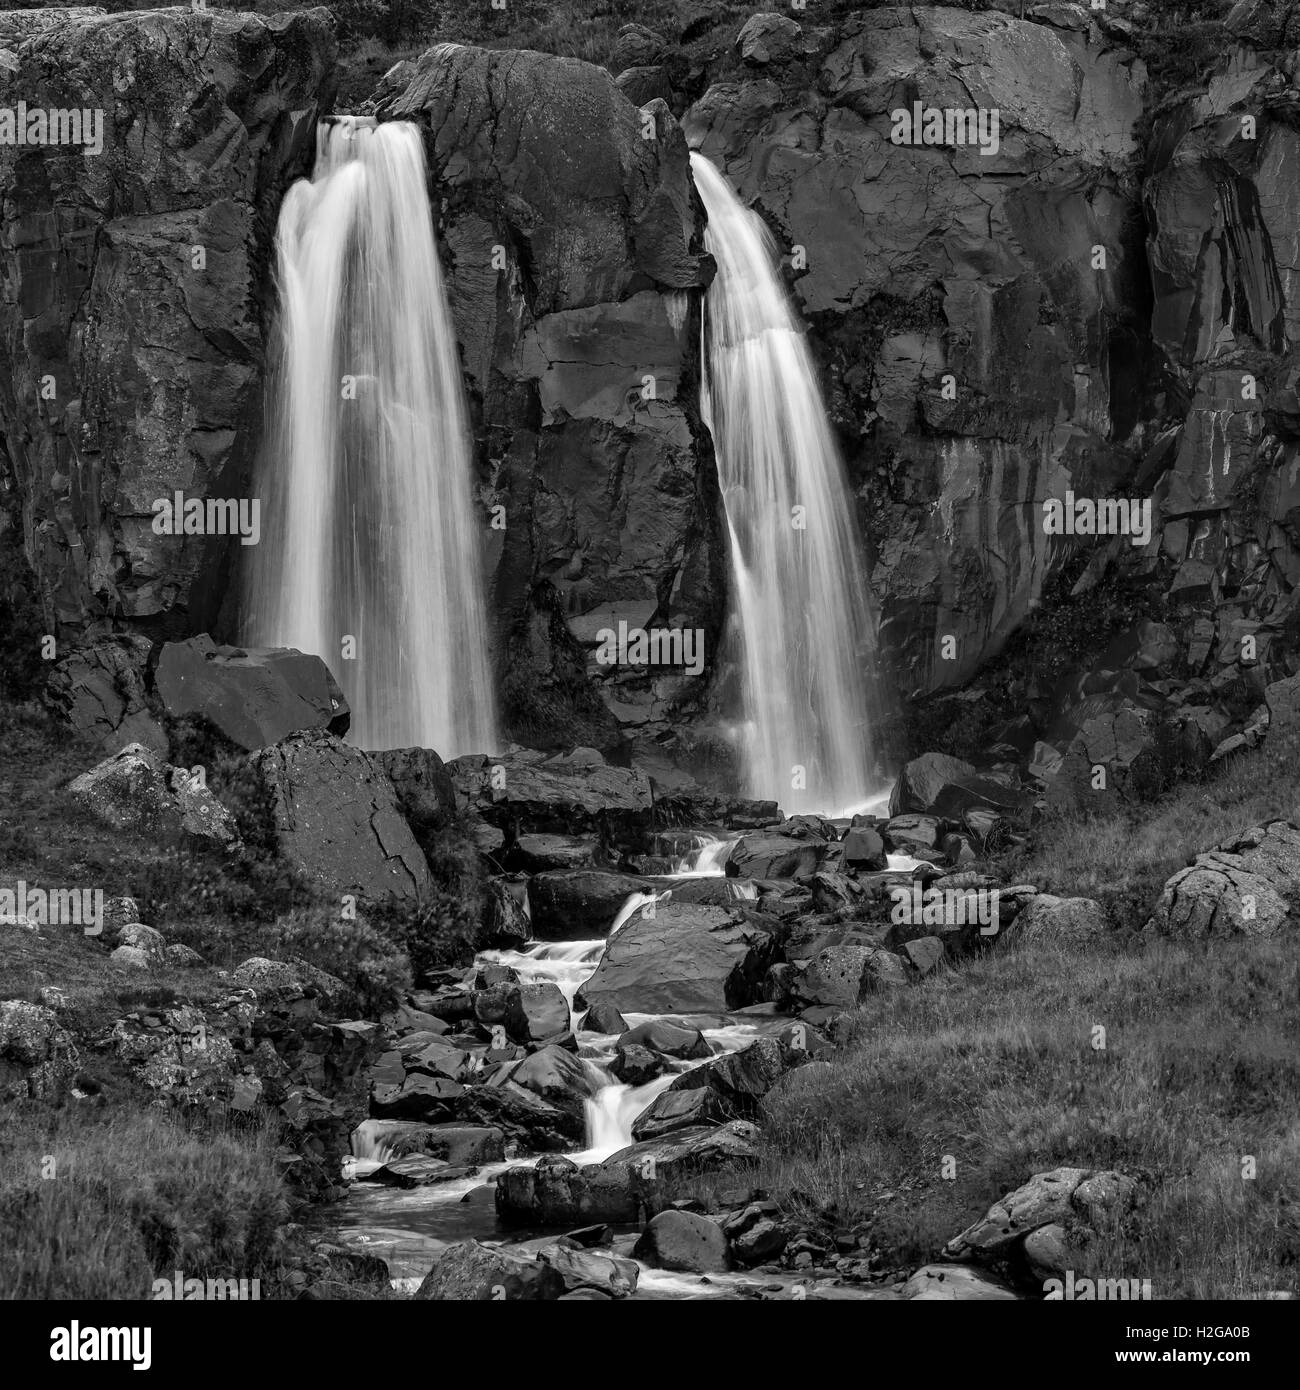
<point x="98" y="1202"/>
<point x="994" y="1064"/>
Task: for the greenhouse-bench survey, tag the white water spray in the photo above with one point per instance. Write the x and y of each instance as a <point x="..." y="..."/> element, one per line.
<point x="800" y="595"/>
<point x="371" y="532"/>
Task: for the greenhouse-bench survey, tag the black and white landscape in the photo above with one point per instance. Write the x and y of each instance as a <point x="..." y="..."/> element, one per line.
<point x="650" y="651"/>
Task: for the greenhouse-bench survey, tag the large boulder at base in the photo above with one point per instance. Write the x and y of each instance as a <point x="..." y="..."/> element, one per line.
<point x="684" y="959"/>
<point x="99" y="690"/>
<point x="136" y="790"/>
<point x="775" y="856"/>
<point x="1061" y="921"/>
<point x="681" y="1240"/>
<point x="255" y="695"/>
<point x="954" y="1283"/>
<point x="578" y="904"/>
<point x="337" y="819"/>
<point x="469" y="1271"/>
<point x="556" y="1192"/>
<point x="1242" y="887"/>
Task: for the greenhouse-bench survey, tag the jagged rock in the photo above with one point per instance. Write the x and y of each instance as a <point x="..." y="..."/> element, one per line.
<point x="758" y="1243"/>
<point x="337" y="819"/>
<point x="557" y="1076"/>
<point x="681" y="1240"/>
<point x="159" y="367"/>
<point x="1243" y="886"/>
<point x="936" y="784"/>
<point x="1063" y="921"/>
<point x="683" y="959"/>
<point x="469" y="1271"/>
<point x="863" y="849"/>
<point x="768" y="38"/>
<point x="420" y="1171"/>
<point x="136" y="790"/>
<point x="255" y="695"/>
<point x="532" y="797"/>
<point x="739" y="1079"/>
<point x="956" y="1283"/>
<point x="99" y="690"/>
<point x="535" y="854"/>
<point x="1123" y="743"/>
<point x="587" y="1271"/>
<point x="578" y="903"/>
<point x="38" y="1057"/>
<point x="424" y="788"/>
<point x="1047" y="1199"/>
<point x="775" y="856"/>
<point x="912" y="833"/>
<point x="635" y="1066"/>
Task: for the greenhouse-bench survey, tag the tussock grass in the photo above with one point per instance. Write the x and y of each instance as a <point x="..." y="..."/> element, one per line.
<point x="133" y="1196"/>
<point x="995" y="1065"/>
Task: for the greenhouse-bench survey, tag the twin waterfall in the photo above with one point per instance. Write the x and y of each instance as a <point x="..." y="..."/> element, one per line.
<point x="370" y="555"/>
<point x="372" y="531"/>
<point x="799" y="589"/>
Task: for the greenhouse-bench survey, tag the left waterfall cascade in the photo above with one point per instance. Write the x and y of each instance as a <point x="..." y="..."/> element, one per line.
<point x="371" y="551"/>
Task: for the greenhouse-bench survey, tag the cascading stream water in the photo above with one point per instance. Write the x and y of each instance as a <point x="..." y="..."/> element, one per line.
<point x="371" y="532"/>
<point x="800" y="597"/>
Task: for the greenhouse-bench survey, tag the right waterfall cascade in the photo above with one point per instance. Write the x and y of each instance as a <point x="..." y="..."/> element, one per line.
<point x="801" y="608"/>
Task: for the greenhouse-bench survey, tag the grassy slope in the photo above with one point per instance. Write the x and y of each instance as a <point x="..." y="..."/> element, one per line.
<point x="994" y="1064"/>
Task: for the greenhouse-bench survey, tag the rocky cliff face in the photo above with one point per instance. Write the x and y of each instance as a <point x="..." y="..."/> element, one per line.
<point x="574" y="239"/>
<point x="1102" y="303"/>
<point x="134" y="284"/>
<point x="916" y="263"/>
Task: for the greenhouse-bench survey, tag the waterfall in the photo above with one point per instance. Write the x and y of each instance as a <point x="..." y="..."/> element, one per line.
<point x="366" y="476"/>
<point x="801" y="605"/>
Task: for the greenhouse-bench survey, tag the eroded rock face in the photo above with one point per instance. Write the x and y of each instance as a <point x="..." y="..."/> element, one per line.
<point x="573" y="235"/>
<point x="1243" y="887"/>
<point x="919" y="261"/>
<point x="155" y="361"/>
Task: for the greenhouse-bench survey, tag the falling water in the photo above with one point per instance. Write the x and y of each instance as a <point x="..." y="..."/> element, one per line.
<point x="799" y="591"/>
<point x="371" y="532"/>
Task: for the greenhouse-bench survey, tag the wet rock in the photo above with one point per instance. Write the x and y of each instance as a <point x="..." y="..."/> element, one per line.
<point x="536" y="854"/>
<point x="419" y="1097"/>
<point x="558" y="1077"/>
<point x="740" y="1079"/>
<point x="337" y="819"/>
<point x="863" y="849"/>
<point x="136" y="790"/>
<point x="671" y="1039"/>
<point x="911" y="834"/>
<point x="683" y="959"/>
<point x="255" y="695"/>
<point x="775" y="856"/>
<point x="506" y="925"/>
<point x="684" y="1152"/>
<point x="954" y="1283"/>
<point x="681" y="1240"/>
<point x="579" y="903"/>
<point x="556" y="1192"/>
<point x="675" y="1110"/>
<point x="589" y="1271"/>
<point x="603" y="1017"/>
<point x="635" y="1066"/>
<point x="417" y="1172"/>
<point x="469" y="1271"/>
